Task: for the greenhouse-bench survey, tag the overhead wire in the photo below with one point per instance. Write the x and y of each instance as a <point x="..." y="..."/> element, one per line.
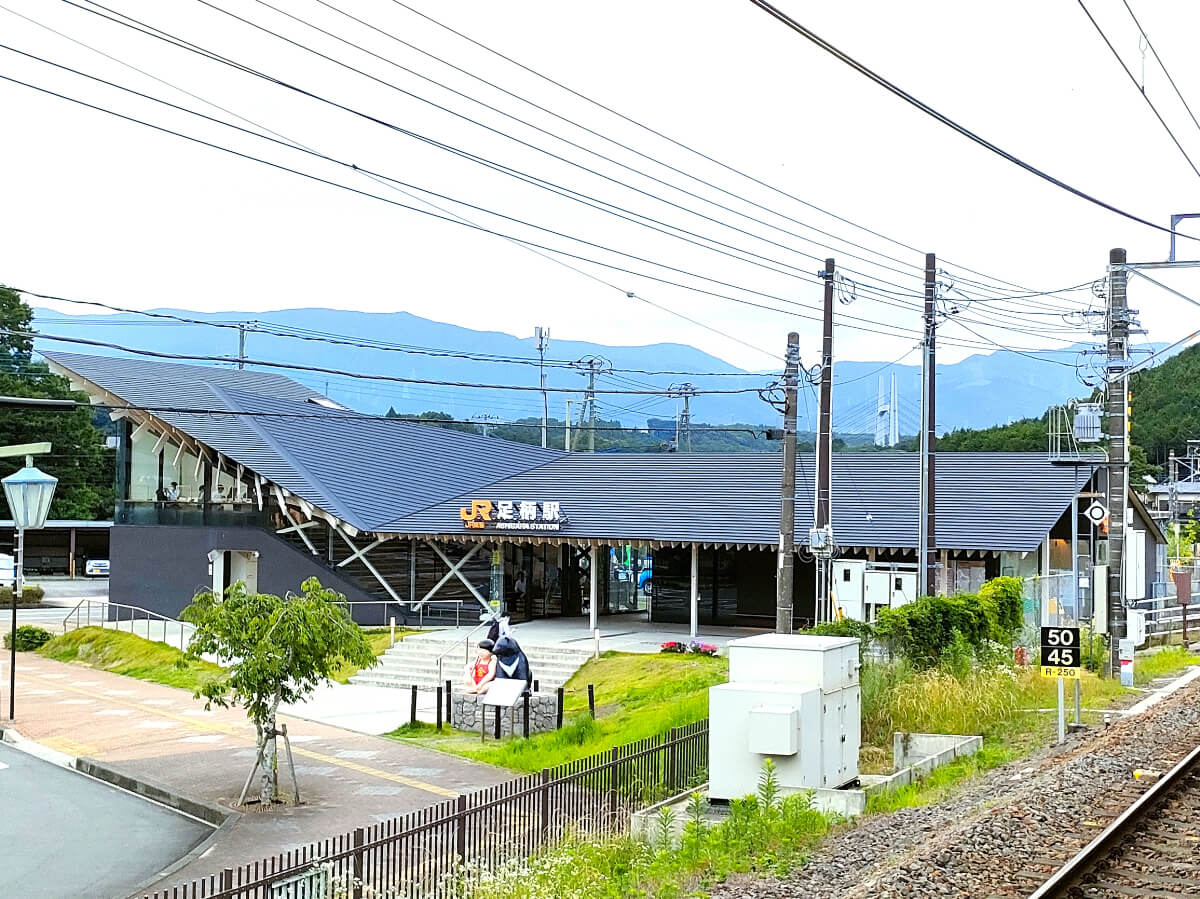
<point x="928" y="110"/>
<point x="181" y="43"/>
<point x="264" y="363"/>
<point x="677" y="143"/>
<point x="1162" y="65"/>
<point x="691" y="274"/>
<point x="482" y="229"/>
<point x="1140" y="89"/>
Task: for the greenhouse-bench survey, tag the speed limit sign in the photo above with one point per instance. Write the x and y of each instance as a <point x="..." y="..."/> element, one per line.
<point x="1060" y="652"/>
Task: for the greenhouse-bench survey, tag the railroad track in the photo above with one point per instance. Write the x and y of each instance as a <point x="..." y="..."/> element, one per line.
<point x="1151" y="849"/>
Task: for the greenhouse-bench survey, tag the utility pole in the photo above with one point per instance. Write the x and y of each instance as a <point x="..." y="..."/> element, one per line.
<point x="821" y="538"/>
<point x="567" y="432"/>
<point x="787" y="489"/>
<point x="926" y="536"/>
<point x="1116" y="401"/>
<point x="592" y="365"/>
<point x="485" y="419"/>
<point x="242" y="328"/>
<point x="543" y="341"/>
<point x="683" y="422"/>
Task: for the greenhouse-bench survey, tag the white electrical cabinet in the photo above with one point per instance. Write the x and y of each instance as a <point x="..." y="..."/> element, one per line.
<point x="794" y="699"/>
<point x="848" y="587"/>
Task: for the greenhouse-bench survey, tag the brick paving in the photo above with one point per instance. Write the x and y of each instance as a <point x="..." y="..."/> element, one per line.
<point x="164" y="736"/>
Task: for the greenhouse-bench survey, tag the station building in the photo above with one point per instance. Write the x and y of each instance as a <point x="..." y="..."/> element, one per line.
<point x="228" y="475"/>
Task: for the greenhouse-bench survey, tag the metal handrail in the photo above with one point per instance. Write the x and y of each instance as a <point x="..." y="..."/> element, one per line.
<point x="102" y="619"/>
<point x="466" y="641"/>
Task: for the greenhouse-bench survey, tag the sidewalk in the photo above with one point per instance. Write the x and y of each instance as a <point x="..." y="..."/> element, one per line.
<point x="161" y="735"/>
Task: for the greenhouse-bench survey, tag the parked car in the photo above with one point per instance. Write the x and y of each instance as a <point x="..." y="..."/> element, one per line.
<point x="95" y="568"/>
<point x="646" y="581"/>
<point x="7" y="569"/>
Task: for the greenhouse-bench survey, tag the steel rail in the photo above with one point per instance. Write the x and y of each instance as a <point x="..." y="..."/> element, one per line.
<point x="1067" y="876"/>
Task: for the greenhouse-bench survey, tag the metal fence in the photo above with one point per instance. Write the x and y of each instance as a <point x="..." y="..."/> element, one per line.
<point x="439" y="852"/>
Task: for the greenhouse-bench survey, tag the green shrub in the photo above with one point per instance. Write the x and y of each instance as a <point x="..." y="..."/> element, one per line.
<point x="31" y="595"/>
<point x="925" y="630"/>
<point x="846" y="627"/>
<point x="29" y="638"/>
<point x="1006" y="593"/>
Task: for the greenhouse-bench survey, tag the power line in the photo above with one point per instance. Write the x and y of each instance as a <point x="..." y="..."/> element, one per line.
<point x="466" y="223"/>
<point x="1141" y="90"/>
<point x="189" y="357"/>
<point x="326" y="415"/>
<point x="949" y="122"/>
<point x="345" y="340"/>
<point x="538" y="128"/>
<point x="482" y="229"/>
<point x="681" y="145"/>
<point x="548" y="257"/>
<point x="182" y="43"/>
<point x="1162" y="65"/>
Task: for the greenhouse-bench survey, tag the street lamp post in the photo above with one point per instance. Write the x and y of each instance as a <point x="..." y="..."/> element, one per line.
<point x="29" y="493"/>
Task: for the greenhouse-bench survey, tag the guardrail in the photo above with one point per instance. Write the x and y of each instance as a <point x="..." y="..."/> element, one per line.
<point x="125" y="617"/>
<point x="81" y="616"/>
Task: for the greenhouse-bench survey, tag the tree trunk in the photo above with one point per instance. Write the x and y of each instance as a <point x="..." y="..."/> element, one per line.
<point x="270" y="779"/>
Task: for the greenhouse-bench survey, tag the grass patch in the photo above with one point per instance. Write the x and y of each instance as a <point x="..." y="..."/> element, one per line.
<point x="1167" y="661"/>
<point x="941" y="782"/>
<point x="764" y="834"/>
<point x="637" y="696"/>
<point x="380" y="640"/>
<point x="132" y="656"/>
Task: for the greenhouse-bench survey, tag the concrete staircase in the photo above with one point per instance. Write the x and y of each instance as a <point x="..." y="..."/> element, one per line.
<point x="414" y="661"/>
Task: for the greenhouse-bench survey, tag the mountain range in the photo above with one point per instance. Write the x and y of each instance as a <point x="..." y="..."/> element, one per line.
<point x="979" y="391"/>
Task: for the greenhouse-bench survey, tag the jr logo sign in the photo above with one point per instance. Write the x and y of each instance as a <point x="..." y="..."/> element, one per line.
<point x="478" y="514"/>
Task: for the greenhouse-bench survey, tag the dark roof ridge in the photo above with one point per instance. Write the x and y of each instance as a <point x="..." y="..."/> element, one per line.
<point x="334" y="506"/>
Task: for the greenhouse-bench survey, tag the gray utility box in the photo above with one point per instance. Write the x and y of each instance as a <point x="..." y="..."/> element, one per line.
<point x="791" y="698"/>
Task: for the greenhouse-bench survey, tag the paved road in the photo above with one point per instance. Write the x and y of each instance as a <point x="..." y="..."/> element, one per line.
<point x="164" y="736"/>
<point x="63" y="834"/>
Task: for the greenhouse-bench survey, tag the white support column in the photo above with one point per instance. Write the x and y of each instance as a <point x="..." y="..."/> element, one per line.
<point x="593" y="586"/>
<point x="695" y="591"/>
<point x="1044" y="593"/>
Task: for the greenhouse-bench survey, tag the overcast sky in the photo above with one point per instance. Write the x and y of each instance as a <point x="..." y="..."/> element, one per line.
<point x="94" y="207"/>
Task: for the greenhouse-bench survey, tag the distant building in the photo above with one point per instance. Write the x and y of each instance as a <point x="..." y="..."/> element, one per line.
<point x="225" y="475"/>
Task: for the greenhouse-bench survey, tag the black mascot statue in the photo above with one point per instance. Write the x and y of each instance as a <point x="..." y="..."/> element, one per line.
<point x="511" y="662"/>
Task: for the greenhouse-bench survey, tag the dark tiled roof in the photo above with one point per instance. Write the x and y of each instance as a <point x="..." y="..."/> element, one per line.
<point x="400" y="477"/>
<point x="365" y="471"/>
<point x="985" y="501"/>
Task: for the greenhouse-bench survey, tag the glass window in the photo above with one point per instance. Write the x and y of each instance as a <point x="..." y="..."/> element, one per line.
<point x="143" y="468"/>
<point x="182" y="478"/>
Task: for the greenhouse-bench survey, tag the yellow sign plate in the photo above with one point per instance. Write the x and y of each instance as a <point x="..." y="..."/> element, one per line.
<point x="1059" y="671"/>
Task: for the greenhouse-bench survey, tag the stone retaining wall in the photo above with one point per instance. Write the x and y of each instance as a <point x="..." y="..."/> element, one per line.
<point x="543" y="714"/>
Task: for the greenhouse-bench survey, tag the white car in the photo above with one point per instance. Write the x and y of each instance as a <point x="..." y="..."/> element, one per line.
<point x="7" y="569"/>
<point x="96" y="568"/>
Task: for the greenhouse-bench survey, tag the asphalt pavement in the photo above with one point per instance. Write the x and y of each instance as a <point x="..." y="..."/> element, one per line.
<point x="65" y="834"/>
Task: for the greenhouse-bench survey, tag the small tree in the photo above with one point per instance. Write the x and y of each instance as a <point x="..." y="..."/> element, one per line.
<point x="277" y="650"/>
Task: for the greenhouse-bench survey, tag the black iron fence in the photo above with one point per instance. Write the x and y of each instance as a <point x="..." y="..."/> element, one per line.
<point x="438" y="852"/>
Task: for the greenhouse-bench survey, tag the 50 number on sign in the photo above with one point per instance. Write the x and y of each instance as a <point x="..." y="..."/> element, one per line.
<point x="1060" y="652"/>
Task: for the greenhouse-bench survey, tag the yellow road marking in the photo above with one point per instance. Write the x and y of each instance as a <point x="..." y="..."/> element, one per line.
<point x="68" y="746"/>
<point x="386" y="775"/>
<point x="236" y="731"/>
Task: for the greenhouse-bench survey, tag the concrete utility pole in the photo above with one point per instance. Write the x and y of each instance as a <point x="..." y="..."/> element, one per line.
<point x="926" y="536"/>
<point x="241" y="345"/>
<point x="787" y="490"/>
<point x="821" y="538"/>
<point x="543" y="341"/>
<point x="592" y="365"/>
<point x="1116" y="402"/>
<point x="567" y="431"/>
<point x="683" y="423"/>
